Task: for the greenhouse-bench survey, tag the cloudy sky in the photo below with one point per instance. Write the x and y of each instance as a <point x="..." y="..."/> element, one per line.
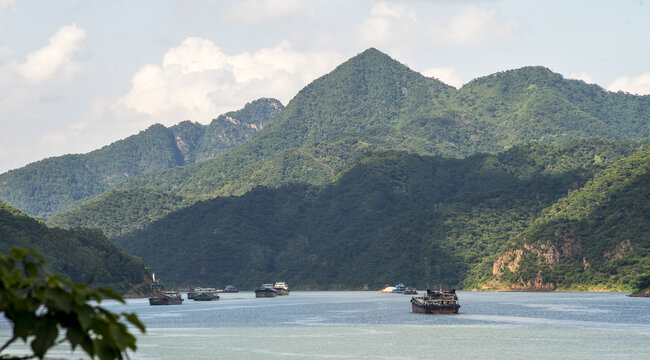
<point x="76" y="75"/>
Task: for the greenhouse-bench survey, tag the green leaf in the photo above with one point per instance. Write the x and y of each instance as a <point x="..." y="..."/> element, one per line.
<point x="60" y="298"/>
<point x="84" y="315"/>
<point x="75" y="336"/>
<point x="24" y="324"/>
<point x="133" y="319"/>
<point x="31" y="269"/>
<point x="45" y="336"/>
<point x="111" y="294"/>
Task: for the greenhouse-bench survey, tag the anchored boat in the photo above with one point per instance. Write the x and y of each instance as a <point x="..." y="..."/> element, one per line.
<point x="205" y="294"/>
<point x="436" y="302"/>
<point x="230" y="289"/>
<point x="166" y="298"/>
<point x="267" y="290"/>
<point x="281" y="288"/>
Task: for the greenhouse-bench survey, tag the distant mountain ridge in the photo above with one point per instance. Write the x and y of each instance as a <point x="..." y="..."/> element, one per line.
<point x="376" y="102"/>
<point x="47" y="186"/>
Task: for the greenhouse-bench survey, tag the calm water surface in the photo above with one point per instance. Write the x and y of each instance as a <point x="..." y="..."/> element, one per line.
<point x="368" y="325"/>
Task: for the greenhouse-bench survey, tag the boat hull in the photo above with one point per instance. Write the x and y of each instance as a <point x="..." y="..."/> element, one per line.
<point x="265" y="293"/>
<point x="424" y="309"/>
<point x="165" y="301"/>
<point x="206" y="297"/>
<point x="281" y="292"/>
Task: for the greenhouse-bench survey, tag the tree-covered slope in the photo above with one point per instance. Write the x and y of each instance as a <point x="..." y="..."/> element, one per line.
<point x="48" y="186"/>
<point x="385" y="215"/>
<point x="533" y="103"/>
<point x="596" y="237"/>
<point x="83" y="255"/>
<point x="117" y="212"/>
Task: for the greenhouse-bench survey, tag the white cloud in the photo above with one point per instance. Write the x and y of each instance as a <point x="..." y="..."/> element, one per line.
<point x="198" y="81"/>
<point x="5" y="52"/>
<point x="639" y="85"/>
<point x="394" y="25"/>
<point x="260" y="12"/>
<point x="392" y="10"/>
<point x="448" y="75"/>
<point x="56" y="59"/>
<point x="582" y="76"/>
<point x="55" y="138"/>
<point x="4" y="4"/>
<point x="474" y="25"/>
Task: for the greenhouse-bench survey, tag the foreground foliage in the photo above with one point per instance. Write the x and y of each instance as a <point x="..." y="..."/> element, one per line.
<point x="41" y="305"/>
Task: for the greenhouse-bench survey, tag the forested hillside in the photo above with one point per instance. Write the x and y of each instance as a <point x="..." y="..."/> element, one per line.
<point x="47" y="186"/>
<point x="117" y="212"/>
<point x="385" y="216"/>
<point x="373" y="102"/>
<point x="596" y="237"/>
<point x="83" y="255"/>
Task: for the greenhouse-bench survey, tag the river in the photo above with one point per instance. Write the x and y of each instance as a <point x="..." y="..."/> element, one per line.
<point x="368" y="325"/>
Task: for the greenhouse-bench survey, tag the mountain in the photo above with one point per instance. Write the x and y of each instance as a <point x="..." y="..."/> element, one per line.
<point x="373" y="103"/>
<point x="48" y="186"/>
<point x="373" y="100"/>
<point x="381" y="220"/>
<point x="83" y="255"/>
<point x="598" y="237"/>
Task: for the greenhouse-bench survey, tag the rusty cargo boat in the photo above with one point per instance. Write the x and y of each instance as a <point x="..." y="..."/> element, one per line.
<point x="436" y="302"/>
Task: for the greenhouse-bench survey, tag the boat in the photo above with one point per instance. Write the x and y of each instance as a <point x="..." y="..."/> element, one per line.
<point x="281" y="288"/>
<point x="267" y="290"/>
<point x="191" y="294"/>
<point x="387" y="290"/>
<point x="205" y="294"/>
<point x="399" y="289"/>
<point x="436" y="302"/>
<point x="410" y="291"/>
<point x="166" y="298"/>
<point x="230" y="289"/>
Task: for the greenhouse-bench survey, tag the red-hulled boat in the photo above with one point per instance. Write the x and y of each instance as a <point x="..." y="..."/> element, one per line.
<point x="436" y="302"/>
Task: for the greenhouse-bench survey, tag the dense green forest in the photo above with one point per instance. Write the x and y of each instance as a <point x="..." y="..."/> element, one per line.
<point x="384" y="219"/>
<point x="81" y="254"/>
<point x="117" y="212"/>
<point x="50" y="185"/>
<point x="596" y="237"/>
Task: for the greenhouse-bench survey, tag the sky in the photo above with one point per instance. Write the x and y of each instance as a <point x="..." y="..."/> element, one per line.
<point x="77" y="75"/>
